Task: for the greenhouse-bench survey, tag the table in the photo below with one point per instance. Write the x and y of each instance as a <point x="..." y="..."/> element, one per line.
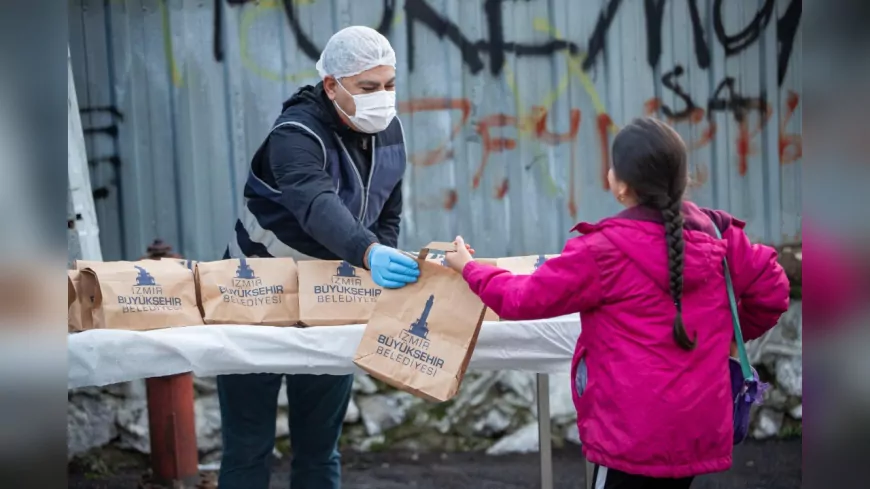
<point x="103" y="357"/>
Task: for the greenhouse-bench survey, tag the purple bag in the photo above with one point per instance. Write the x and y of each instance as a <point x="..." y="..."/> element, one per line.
<point x="746" y="388"/>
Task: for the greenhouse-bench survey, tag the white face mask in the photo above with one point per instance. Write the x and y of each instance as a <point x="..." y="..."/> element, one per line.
<point x="374" y="111"/>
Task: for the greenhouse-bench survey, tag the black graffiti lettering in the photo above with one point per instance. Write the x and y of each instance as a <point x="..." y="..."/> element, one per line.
<point x="111" y="130"/>
<point x="98" y="194"/>
<point x="599" y="34"/>
<point x="786" y="30"/>
<point x="654" y="11"/>
<point x="670" y="82"/>
<point x="495" y="26"/>
<point x="386" y="25"/>
<point x="726" y="98"/>
<point x="113" y="111"/>
<point x="737" y="104"/>
<point x="496" y="47"/>
<point x="307" y="45"/>
<point x="418" y="11"/>
<point x="218" y="29"/>
<point x="303" y="42"/>
<point x="736" y="43"/>
<point x="702" y="50"/>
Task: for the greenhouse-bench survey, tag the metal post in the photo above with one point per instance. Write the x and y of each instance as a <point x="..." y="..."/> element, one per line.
<point x="545" y="442"/>
<point x="590" y="471"/>
<point x="174" y="457"/>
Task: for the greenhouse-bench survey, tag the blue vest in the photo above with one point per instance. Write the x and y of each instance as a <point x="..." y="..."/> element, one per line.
<point x="266" y="228"/>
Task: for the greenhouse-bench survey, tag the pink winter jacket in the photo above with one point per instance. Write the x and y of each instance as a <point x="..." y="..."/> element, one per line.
<point x="649" y="407"/>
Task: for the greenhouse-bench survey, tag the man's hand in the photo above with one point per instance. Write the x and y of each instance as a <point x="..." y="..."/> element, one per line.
<point x="390" y="267"/>
<point x="461" y="257"/>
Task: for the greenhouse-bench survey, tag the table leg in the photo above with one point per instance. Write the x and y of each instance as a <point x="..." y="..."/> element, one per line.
<point x="545" y="442"/>
<point x="172" y="429"/>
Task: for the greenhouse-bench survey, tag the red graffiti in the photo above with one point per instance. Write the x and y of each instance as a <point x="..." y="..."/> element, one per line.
<point x="443" y="151"/>
<point x="539" y="118"/>
<point x="791" y="146"/>
<point x="536" y="120"/>
<point x="490" y="143"/>
<point x="535" y="125"/>
<point x="743" y="141"/>
<point x="450" y="199"/>
<point x="707" y="135"/>
<point x="745" y="146"/>
<point x="653" y="106"/>
<point x="501" y="189"/>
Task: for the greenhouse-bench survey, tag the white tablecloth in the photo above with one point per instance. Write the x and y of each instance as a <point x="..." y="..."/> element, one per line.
<point x="102" y="357"/>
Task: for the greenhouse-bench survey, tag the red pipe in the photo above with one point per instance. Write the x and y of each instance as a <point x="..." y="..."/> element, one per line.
<point x="172" y="428"/>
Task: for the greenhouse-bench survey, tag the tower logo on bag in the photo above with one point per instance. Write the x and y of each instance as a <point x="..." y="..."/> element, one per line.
<point x="144" y="278"/>
<point x="411" y="347"/>
<point x="420" y="327"/>
<point x="346" y="287"/>
<point x="244" y="271"/>
<point x="345" y="269"/>
<point x="540" y="262"/>
<point x="146" y="295"/>
<point x="246" y="289"/>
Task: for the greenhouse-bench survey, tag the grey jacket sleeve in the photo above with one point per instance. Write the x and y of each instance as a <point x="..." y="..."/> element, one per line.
<point x="308" y="192"/>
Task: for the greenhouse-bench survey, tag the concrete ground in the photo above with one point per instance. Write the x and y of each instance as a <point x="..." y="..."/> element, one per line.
<point x="767" y="465"/>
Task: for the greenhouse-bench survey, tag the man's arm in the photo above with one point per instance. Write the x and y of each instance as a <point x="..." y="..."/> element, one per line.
<point x="390" y="218"/>
<point x="308" y="192"/>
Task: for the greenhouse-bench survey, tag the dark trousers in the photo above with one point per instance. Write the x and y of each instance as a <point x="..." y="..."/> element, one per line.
<point x="604" y="478"/>
<point x="249" y="404"/>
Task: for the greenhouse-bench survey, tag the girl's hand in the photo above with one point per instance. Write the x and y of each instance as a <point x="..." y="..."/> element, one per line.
<point x="459" y="258"/>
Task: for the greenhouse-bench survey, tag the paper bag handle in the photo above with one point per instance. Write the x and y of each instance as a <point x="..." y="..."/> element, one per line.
<point x="437" y="246"/>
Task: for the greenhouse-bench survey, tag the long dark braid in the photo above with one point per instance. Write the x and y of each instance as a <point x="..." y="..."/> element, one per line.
<point x="673" y="220"/>
<point x="651" y="158"/>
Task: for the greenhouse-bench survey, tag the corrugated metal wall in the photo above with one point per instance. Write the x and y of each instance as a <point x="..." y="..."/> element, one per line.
<point x="508" y="105"/>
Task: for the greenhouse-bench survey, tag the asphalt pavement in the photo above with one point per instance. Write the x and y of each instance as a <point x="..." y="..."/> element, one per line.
<point x="757" y="465"/>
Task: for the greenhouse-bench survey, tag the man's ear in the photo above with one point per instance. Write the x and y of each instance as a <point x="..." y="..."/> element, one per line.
<point x="329" y="87"/>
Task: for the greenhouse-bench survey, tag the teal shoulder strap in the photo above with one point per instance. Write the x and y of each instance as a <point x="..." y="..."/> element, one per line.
<point x="738" y="334"/>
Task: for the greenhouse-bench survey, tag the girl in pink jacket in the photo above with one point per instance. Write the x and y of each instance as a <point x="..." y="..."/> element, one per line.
<point x="648" y="283"/>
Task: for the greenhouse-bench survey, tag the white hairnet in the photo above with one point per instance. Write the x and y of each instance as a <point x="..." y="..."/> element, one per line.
<point x="353" y="50"/>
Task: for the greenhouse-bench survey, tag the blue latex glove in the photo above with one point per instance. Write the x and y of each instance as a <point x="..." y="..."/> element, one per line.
<point x="391" y="268"/>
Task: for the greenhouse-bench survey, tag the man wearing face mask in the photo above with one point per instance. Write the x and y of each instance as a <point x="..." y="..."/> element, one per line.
<point x="325" y="184"/>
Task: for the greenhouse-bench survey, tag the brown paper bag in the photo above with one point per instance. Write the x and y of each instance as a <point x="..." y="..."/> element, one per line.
<point x="489" y="315"/>
<point x="334" y="293"/>
<point x="74" y="309"/>
<point x="143" y="295"/>
<point x="80" y="316"/>
<point x="421" y="337"/>
<point x="249" y="291"/>
<point x="522" y="265"/>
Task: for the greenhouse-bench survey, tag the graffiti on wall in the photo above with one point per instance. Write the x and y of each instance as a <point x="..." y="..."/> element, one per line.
<point x="499" y="132"/>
